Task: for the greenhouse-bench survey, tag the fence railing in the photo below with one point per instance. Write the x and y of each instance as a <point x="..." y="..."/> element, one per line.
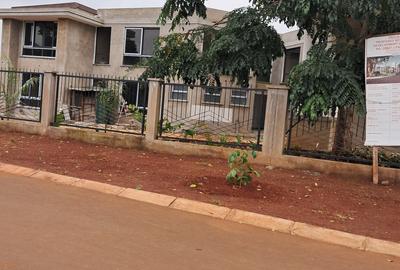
<point x="21" y="95"/>
<point x="338" y="137"/>
<point x="211" y="115"/>
<point x="102" y="103"/>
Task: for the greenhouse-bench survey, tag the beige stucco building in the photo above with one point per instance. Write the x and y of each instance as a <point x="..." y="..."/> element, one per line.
<point x="80" y="39"/>
<point x="73" y="38"/>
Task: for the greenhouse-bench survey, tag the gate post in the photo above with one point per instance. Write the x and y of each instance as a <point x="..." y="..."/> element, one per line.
<point x="153" y="111"/>
<point x="48" y="100"/>
<point x="275" y="121"/>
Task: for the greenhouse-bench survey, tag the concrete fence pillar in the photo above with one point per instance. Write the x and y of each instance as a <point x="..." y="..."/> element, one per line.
<point x="275" y="122"/>
<point x="48" y="100"/>
<point x="153" y="111"/>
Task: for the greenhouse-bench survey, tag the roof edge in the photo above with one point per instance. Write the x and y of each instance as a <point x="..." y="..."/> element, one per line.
<point x="73" y="5"/>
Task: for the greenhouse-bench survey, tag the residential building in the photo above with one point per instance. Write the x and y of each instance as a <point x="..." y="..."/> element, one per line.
<point x="71" y="37"/>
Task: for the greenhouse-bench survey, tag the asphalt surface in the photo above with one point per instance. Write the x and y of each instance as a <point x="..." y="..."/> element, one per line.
<point x="45" y="225"/>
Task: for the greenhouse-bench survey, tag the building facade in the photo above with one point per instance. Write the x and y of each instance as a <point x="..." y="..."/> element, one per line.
<point x="74" y="38"/>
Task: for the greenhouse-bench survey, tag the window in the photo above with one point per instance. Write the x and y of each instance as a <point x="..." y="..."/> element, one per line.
<point x="31" y="90"/>
<point x="139" y="44"/>
<point x="239" y="97"/>
<point x="135" y="93"/>
<point x="212" y="94"/>
<point x="292" y="58"/>
<point x="179" y="92"/>
<point x="40" y="39"/>
<point x="103" y="43"/>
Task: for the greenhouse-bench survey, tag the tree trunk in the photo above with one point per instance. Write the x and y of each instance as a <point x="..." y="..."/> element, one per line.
<point x="342" y="141"/>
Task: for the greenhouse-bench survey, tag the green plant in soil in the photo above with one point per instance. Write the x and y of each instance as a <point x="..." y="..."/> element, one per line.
<point x="136" y="113"/>
<point x="189" y="132"/>
<point x="10" y="93"/>
<point x="253" y="145"/>
<point x="223" y="139"/>
<point x="107" y="107"/>
<point x="59" y="119"/>
<point x="238" y="139"/>
<point x="241" y="171"/>
<point x="208" y="137"/>
<point x="168" y="127"/>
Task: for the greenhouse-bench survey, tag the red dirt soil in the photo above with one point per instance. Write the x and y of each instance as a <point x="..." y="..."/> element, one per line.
<point x="344" y="204"/>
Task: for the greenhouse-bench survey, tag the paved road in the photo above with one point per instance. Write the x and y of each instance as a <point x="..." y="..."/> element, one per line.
<point x="44" y="225"/>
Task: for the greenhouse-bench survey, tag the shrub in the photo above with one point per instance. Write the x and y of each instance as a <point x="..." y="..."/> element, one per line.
<point x="241" y="170"/>
<point x="168" y="127"/>
<point x="223" y="139"/>
<point x="107" y="107"/>
<point x="59" y="119"/>
<point x="136" y="113"/>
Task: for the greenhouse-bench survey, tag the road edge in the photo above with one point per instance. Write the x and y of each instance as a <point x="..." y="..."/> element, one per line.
<point x="270" y="223"/>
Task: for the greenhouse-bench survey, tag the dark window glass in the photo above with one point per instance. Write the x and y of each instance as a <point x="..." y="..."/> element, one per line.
<point x="28" y="34"/>
<point x="149" y="37"/>
<point x="212" y="94"/>
<point x="179" y="92"/>
<point x="129" y="92"/>
<point x="26" y="51"/>
<point x="131" y="60"/>
<point x="103" y="42"/>
<point x="100" y="83"/>
<point x="45" y="34"/>
<point x="239" y="97"/>
<point x="133" y="41"/>
<point x="135" y="93"/>
<point x="44" y="39"/>
<point x="143" y="96"/>
<point x="292" y="58"/>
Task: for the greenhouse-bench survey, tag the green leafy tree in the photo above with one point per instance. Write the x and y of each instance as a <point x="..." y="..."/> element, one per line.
<point x="243" y="42"/>
<point x="338" y="30"/>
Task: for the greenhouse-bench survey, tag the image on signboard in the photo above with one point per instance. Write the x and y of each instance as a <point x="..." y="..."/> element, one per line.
<point x="383" y="69"/>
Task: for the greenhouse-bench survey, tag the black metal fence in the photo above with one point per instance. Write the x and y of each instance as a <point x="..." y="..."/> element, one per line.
<point x="102" y="103"/>
<point x="212" y="115"/>
<point x="21" y="95"/>
<point x="338" y="137"/>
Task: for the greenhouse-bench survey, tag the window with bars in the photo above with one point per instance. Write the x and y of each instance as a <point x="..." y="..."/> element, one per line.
<point x="239" y="97"/>
<point x="212" y="95"/>
<point x="31" y="90"/>
<point x="179" y="92"/>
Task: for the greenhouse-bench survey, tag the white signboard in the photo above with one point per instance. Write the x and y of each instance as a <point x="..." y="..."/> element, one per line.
<point x="383" y="90"/>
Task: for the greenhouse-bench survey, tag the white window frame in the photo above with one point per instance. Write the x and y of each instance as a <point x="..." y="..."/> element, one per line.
<point x="141" y="41"/>
<point x="239" y="97"/>
<point x="33" y="42"/>
<point x="173" y="90"/>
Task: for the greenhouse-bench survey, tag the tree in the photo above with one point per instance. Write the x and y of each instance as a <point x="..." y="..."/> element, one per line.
<point x="243" y="42"/>
<point x="338" y="30"/>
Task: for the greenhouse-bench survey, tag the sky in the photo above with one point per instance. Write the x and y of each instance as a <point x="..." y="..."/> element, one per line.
<point x="219" y="4"/>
